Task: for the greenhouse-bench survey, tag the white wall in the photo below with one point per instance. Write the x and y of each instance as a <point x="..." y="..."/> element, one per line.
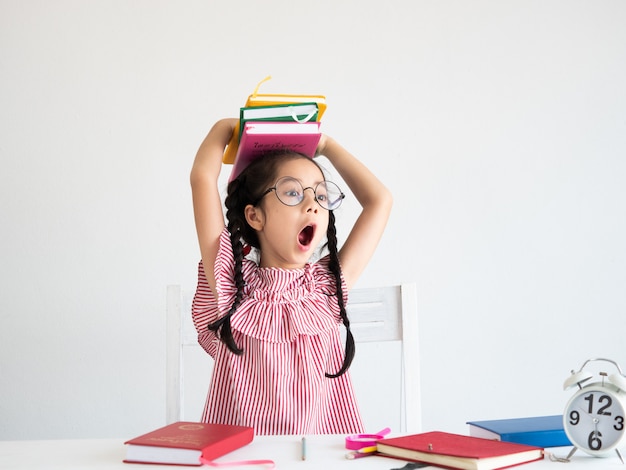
<point x="499" y="126"/>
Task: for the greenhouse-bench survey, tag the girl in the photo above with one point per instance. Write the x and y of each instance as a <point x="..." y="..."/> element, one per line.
<point x="272" y="325"/>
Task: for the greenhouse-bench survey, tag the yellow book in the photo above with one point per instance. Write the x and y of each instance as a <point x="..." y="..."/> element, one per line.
<point x="268" y="99"/>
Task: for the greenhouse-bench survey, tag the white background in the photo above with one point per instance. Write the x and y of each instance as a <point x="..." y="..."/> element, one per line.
<point x="500" y="127"/>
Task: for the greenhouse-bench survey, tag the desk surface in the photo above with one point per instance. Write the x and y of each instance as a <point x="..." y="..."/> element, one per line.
<point x="323" y="452"/>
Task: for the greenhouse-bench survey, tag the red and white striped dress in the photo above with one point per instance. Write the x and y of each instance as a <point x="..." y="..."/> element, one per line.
<point x="288" y="326"/>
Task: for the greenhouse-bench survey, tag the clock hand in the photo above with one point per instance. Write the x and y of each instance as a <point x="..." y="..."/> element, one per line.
<point x="584" y="412"/>
<point x="596" y="420"/>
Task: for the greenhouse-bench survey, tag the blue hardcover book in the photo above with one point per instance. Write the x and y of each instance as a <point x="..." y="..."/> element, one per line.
<point x="540" y="431"/>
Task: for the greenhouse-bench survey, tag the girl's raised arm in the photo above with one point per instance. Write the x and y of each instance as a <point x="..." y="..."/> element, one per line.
<point x="207" y="204"/>
<point x="376" y="201"/>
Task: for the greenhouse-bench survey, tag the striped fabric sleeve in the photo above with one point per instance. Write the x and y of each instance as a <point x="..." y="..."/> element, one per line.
<point x="203" y="312"/>
<point x="205" y="307"/>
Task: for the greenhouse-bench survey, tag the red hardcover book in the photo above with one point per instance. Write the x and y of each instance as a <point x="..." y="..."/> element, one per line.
<point x="458" y="451"/>
<point x="258" y="138"/>
<point x="183" y="443"/>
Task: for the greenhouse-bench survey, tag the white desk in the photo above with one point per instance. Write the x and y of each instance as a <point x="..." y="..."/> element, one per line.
<point x="323" y="452"/>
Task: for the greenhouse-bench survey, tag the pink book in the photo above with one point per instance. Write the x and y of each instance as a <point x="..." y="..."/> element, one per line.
<point x="259" y="138"/>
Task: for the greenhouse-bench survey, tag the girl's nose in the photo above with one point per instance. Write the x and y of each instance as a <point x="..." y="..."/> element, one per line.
<point x="309" y="200"/>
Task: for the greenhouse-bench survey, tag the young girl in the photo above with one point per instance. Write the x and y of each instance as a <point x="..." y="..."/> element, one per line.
<point x="272" y="324"/>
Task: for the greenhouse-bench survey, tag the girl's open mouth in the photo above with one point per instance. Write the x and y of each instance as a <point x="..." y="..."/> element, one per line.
<point x="305" y="237"/>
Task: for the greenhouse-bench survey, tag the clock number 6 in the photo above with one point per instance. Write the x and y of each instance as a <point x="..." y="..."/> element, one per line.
<point x="594" y="440"/>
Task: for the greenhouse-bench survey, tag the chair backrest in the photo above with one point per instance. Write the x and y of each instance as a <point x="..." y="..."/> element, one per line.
<point x="385" y="370"/>
<point x="188" y="366"/>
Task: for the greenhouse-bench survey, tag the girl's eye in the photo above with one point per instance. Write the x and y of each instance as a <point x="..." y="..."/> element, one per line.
<point x="322" y="197"/>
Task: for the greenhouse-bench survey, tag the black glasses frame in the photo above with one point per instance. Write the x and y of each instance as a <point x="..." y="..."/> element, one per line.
<point x="314" y="189"/>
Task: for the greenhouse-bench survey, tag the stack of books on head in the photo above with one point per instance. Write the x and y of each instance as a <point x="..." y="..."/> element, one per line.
<point x="275" y="122"/>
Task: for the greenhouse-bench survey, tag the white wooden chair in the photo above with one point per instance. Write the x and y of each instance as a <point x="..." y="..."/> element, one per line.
<point x="385" y="370"/>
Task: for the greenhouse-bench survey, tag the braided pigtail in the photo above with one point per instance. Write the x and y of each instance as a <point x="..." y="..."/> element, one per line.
<point x="335" y="269"/>
<point x="222" y="326"/>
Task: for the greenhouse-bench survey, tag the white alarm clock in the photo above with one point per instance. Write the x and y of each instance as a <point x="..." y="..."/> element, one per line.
<point x="594" y="418"/>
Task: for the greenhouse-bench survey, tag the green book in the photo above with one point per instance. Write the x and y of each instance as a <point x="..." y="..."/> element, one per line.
<point x="292" y="112"/>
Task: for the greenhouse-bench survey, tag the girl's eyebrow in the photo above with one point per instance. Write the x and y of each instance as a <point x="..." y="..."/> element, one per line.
<point x="300" y="181"/>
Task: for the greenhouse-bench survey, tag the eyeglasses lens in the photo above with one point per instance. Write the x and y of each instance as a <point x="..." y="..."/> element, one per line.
<point x="327" y="194"/>
<point x="289" y="191"/>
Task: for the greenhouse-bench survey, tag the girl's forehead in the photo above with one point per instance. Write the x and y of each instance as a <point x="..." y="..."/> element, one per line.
<point x="302" y="169"/>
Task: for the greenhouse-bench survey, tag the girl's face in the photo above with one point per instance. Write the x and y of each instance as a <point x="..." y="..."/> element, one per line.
<point x="289" y="235"/>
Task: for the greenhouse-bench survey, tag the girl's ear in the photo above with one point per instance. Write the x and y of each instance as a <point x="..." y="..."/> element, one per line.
<point x="254" y="217"/>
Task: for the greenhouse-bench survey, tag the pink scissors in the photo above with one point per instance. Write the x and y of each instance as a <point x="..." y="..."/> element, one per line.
<point x="359" y="441"/>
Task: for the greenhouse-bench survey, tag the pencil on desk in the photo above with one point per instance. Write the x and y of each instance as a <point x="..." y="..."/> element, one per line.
<point x="304" y="448"/>
<point x="359" y="455"/>
<point x="363" y="452"/>
<point x="367" y="450"/>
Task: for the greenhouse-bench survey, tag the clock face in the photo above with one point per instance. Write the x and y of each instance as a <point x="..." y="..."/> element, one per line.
<point x="594" y="419"/>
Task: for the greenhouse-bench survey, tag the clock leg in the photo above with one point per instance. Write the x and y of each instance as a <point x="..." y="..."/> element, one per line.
<point x="619" y="455"/>
<point x="571" y="452"/>
<point x="554" y="458"/>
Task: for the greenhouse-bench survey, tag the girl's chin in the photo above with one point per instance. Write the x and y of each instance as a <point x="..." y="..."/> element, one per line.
<point x="303" y="255"/>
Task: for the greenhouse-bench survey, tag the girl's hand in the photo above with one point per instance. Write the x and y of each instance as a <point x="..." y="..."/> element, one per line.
<point x="321" y="146"/>
<point x="229" y="125"/>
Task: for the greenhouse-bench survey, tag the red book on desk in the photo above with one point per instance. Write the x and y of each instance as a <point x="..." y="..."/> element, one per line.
<point x="183" y="443"/>
<point x="259" y="138"/>
<point x="458" y="451"/>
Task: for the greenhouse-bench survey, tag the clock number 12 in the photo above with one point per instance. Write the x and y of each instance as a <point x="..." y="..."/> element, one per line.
<point x="603" y="399"/>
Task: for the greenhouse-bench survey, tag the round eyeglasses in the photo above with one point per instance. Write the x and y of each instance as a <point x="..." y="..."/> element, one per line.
<point x="290" y="192"/>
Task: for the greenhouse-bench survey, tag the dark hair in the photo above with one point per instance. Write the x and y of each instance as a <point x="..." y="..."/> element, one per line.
<point x="246" y="189"/>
